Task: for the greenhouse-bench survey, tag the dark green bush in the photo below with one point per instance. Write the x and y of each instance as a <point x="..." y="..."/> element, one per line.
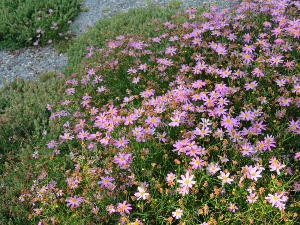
<point x="23" y="109"/>
<point x="22" y="21"/>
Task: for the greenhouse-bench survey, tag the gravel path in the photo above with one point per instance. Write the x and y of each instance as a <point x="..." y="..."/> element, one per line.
<point x="29" y="62"/>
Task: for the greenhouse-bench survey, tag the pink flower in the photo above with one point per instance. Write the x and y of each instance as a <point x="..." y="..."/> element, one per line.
<point x="247" y="58"/>
<point x="186" y="182"/>
<point x="257" y="72"/>
<point x="110" y="209"/>
<point x="275" y="60"/>
<point x="121" y="142"/>
<point x="296" y="186"/>
<point x="38" y="211"/>
<point x="197" y="163"/>
<point x="228" y="122"/>
<point x="225" y="178"/>
<point x="251" y="86"/>
<point x="171" y="51"/>
<point x="247" y="115"/>
<point x="152" y="121"/>
<point x="213" y="168"/>
<point x="232" y="207"/>
<point x="175" y="121"/>
<point x="253" y="173"/>
<point x="276" y="31"/>
<point x="51" y="144"/>
<point x="124" y="207"/>
<point x="123" y="160"/>
<point x="198" y="84"/>
<point x="278" y="200"/>
<point x="204" y="131"/>
<point x="106" y="181"/>
<point x="170" y="177"/>
<point x="73" y="201"/>
<point x="221" y="50"/>
<point x="251" y="198"/>
<point x="66" y="136"/>
<point x="143" y="67"/>
<point x="248" y="49"/>
<point x="147" y="93"/>
<point x="277" y="167"/>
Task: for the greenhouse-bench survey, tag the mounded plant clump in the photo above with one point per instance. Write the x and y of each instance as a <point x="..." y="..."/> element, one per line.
<point x="31" y="22"/>
<point x="198" y="124"/>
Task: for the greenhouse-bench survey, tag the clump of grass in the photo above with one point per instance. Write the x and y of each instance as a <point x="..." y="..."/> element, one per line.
<point x="30" y="22"/>
<point x="197" y="123"/>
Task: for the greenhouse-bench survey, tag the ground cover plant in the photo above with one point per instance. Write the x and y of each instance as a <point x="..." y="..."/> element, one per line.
<point x="23" y="121"/>
<point x="30" y="22"/>
<point x="140" y="20"/>
<point x="198" y="124"/>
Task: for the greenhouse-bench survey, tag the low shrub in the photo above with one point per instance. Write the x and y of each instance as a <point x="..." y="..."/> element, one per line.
<point x="31" y="22"/>
<point x="23" y="110"/>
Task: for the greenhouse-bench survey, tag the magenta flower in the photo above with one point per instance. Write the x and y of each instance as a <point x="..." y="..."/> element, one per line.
<point x="232" y="207"/>
<point x="152" y="121"/>
<point x="121" y="142"/>
<point x="197" y="163"/>
<point x="275" y="60"/>
<point x="106" y="181"/>
<point x="73" y="202"/>
<point x="123" y="160"/>
<point x="296" y="186"/>
<point x="251" y="86"/>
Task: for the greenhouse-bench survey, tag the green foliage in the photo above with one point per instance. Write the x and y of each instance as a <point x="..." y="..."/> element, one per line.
<point x="18" y="174"/>
<point x="23" y="109"/>
<point x="85" y="9"/>
<point x="20" y="20"/>
<point x="175" y="4"/>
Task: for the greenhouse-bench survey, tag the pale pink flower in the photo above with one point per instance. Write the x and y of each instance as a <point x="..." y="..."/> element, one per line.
<point x="141" y="194"/>
<point x="253" y="173"/>
<point x="225" y="178"/>
<point x="186" y="181"/>
<point x="177" y="214"/>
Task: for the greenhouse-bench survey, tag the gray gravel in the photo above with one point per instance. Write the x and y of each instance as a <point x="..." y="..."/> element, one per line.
<point x="29" y="62"/>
